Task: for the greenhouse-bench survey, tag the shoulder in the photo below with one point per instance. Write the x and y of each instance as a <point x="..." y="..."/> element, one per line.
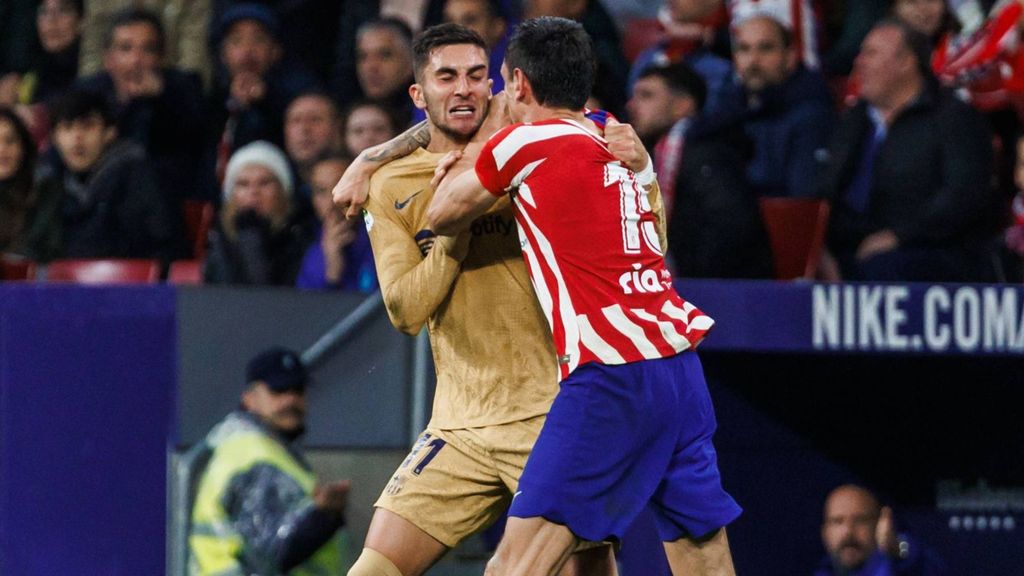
<point x="394" y="176"/>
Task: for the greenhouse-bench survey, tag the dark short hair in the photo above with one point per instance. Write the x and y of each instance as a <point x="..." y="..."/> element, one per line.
<point x="395" y="25"/>
<point x="130" y="16"/>
<point x="440" y="36"/>
<point x="78" y="104"/>
<point x="557" y="57"/>
<point x="318" y="93"/>
<point x="681" y="79"/>
<point x="915" y="42"/>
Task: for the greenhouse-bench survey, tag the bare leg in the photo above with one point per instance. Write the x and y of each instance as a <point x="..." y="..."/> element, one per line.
<point x="408" y="547"/>
<point x="708" y="556"/>
<point x="599" y="561"/>
<point x="531" y="547"/>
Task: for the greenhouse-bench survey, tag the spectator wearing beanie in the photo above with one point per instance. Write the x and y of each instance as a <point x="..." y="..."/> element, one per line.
<point x="260" y="240"/>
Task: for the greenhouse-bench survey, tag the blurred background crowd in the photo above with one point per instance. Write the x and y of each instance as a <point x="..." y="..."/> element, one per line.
<point x="207" y="135"/>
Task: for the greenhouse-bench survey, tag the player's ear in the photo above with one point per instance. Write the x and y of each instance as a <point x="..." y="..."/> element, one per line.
<point x="416" y="93"/>
<point x="521" y="84"/>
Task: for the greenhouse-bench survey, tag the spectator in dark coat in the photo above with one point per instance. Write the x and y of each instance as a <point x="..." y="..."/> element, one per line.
<point x="909" y="174"/>
<point x="786" y="109"/>
<point x="260" y="240"/>
<point x="100" y="199"/>
<point x="249" y="99"/>
<point x="714" y="223"/>
<point x="158" y="107"/>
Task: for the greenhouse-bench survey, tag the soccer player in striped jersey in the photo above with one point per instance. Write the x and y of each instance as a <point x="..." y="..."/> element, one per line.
<point x="496" y="370"/>
<point x="632" y="423"/>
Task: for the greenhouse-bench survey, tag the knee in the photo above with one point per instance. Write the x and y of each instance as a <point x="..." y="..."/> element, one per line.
<point x="373" y="563"/>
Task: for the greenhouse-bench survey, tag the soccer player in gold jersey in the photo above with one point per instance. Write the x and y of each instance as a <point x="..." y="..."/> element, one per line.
<point x="496" y="366"/>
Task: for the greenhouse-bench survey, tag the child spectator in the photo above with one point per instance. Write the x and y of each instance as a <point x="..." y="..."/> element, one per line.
<point x="260" y="240"/>
<point x="341" y="258"/>
<point x="100" y="199"/>
<point x="17" y="164"/>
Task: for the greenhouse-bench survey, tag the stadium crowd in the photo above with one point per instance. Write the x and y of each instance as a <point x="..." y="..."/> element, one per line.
<point x="122" y="121"/>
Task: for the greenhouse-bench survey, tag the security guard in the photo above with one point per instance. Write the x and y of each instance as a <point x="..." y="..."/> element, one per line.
<point x="258" y="508"/>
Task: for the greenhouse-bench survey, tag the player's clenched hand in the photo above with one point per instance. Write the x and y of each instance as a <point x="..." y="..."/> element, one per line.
<point x="443" y="166"/>
<point x="351" y="191"/>
<point x="625" y="145"/>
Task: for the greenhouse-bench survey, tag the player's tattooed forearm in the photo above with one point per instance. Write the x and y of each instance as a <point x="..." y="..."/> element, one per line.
<point x="402" y="145"/>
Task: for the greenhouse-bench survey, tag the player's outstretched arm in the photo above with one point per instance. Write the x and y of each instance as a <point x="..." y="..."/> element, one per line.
<point x="351" y="191"/>
<point x="458" y="201"/>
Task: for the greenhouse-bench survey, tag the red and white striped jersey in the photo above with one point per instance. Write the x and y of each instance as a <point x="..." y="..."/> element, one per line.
<point x="590" y="243"/>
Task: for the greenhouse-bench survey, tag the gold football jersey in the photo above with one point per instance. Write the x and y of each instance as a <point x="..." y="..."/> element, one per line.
<point x="492" y="346"/>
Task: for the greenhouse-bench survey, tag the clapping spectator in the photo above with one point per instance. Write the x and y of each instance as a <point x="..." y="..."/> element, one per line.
<point x="342" y="258"/>
<point x="250" y="98"/>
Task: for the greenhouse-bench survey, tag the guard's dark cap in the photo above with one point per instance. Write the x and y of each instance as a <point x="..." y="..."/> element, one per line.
<point x="280" y="368"/>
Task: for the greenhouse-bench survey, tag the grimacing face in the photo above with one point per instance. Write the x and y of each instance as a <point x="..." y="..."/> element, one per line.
<point x="454" y="90"/>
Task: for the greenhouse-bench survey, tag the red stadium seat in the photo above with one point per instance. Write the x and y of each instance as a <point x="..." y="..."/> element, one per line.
<point x="796" y="229"/>
<point x="198" y="219"/>
<point x="14" y="268"/>
<point x="104" y="271"/>
<point x="185" y="272"/>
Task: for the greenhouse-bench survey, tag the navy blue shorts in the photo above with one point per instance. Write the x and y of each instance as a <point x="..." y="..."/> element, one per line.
<point x="621" y="437"/>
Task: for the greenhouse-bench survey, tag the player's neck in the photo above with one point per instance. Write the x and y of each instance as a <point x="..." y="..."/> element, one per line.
<point x="442" y="142"/>
<point x="538" y="113"/>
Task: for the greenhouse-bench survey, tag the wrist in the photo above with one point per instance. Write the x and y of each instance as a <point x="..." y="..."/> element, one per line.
<point x="646" y="176"/>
